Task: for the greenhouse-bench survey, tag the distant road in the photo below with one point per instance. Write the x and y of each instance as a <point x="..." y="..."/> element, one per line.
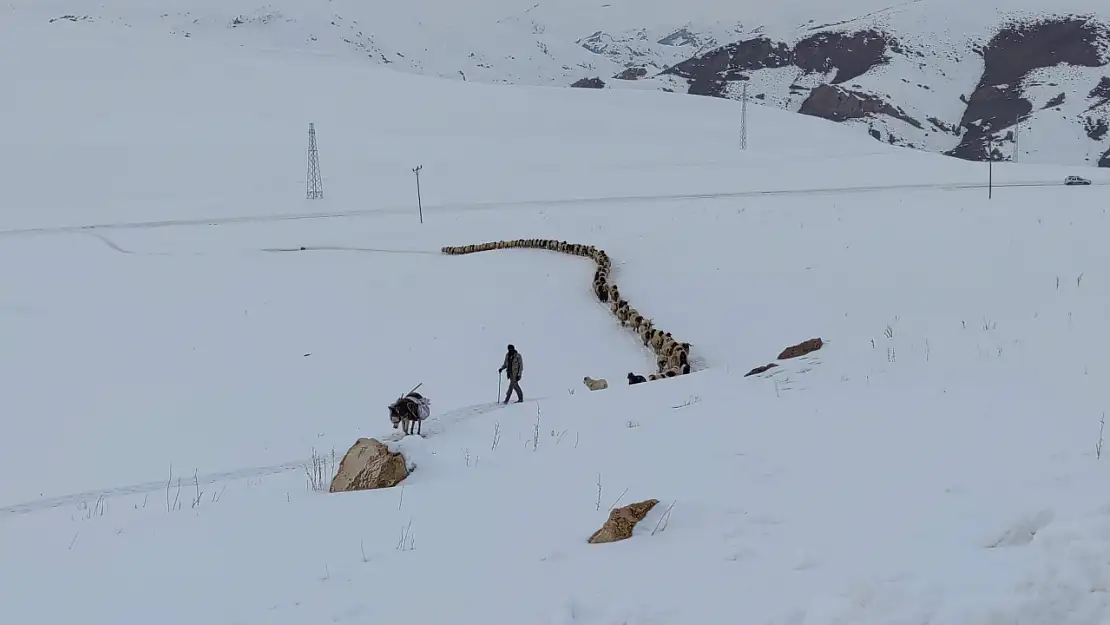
<point x="503" y="205"/>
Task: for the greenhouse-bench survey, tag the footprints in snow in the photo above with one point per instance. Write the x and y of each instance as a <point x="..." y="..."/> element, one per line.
<point x="437" y="423"/>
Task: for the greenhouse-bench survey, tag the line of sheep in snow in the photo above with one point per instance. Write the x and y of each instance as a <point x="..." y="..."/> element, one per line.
<point x="671" y="356"/>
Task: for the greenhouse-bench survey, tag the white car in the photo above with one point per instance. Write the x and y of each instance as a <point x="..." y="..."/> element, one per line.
<point x="1070" y="180"/>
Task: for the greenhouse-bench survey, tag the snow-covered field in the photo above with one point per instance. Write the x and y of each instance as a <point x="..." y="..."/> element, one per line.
<point x="163" y="385"/>
<point x="934" y="57"/>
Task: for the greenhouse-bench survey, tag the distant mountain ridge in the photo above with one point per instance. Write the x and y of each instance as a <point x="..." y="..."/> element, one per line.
<point x="1013" y="81"/>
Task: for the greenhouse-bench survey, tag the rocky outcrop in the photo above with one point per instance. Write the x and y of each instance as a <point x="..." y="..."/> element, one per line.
<point x="1096" y="128"/>
<point x="631" y="73"/>
<point x="839" y="104"/>
<point x="943" y="126"/>
<point x="622" y="521"/>
<point x="369" y="464"/>
<point x="1100" y="94"/>
<point x="849" y="55"/>
<point x="1018" y="49"/>
<point x="1105" y="160"/>
<point x="708" y="72"/>
<point x="830" y="65"/>
<point x="1055" y="101"/>
<point x="588" y="83"/>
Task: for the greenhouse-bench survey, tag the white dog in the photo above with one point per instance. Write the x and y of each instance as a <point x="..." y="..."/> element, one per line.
<point x="595" y="385"/>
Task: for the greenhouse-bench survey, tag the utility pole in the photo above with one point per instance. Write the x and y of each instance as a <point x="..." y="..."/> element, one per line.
<point x="315" y="183"/>
<point x="419" y="204"/>
<point x="1017" y="132"/>
<point x="744" y="116"/>
<point x="990" y="173"/>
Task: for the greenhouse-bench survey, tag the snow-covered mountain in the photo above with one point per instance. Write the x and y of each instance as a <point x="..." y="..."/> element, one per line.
<point x="1025" y="81"/>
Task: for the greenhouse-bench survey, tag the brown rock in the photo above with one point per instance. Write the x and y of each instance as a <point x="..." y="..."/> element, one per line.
<point x="801" y="349"/>
<point x="621" y="522"/>
<point x="762" y="369"/>
<point x="369" y="464"/>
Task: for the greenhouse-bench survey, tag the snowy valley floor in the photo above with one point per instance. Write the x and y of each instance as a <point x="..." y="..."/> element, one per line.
<point x="934" y="463"/>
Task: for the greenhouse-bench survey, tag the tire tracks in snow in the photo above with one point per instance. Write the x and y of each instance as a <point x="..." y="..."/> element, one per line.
<point x="309" y="248"/>
<point x="337" y="248"/>
<point x="48" y="503"/>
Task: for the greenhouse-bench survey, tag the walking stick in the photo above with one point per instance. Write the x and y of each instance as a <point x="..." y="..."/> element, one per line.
<point x="498" y="386"/>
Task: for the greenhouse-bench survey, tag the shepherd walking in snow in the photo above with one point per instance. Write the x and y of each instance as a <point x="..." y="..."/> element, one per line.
<point x="513" y="368"/>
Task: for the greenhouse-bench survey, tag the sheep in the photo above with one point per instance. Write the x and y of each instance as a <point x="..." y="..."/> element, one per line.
<point x="664" y="346"/>
<point x="599" y="290"/>
<point x="677" y="358"/>
<point x="658" y="340"/>
<point x="669" y="345"/>
<point x="623" y="313"/>
<point x="673" y="348"/>
<point x="637" y="321"/>
<point x="595" y="385"/>
<point x="654" y="376"/>
<point x="635" y="379"/>
<point x="627" y="315"/>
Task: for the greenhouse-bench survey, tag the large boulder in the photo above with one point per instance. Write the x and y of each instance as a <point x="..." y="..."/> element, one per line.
<point x="621" y="522"/>
<point x="801" y="349"/>
<point x="369" y="464"/>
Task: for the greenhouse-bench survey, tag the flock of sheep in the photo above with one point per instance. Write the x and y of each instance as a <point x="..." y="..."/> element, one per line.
<point x="672" y="357"/>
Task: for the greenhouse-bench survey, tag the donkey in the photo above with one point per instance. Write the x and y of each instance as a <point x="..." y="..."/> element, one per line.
<point x="409" y="412"/>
